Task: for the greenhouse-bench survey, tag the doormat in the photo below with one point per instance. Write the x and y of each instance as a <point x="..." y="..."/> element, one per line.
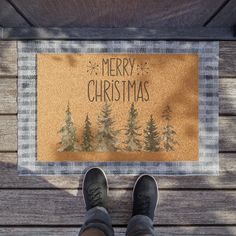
<point x="117" y="107"/>
<point x="129" y="107"/>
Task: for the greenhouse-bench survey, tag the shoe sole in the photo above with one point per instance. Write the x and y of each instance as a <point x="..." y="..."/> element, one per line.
<point x="156" y="186"/>
<point x="86" y="174"/>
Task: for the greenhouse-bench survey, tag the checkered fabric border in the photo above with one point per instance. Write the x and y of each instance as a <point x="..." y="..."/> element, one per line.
<point x="208" y="163"/>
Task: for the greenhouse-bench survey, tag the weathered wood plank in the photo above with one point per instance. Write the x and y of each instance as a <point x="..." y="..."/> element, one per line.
<point x="228" y="133"/>
<point x="9" y="17"/>
<point x="160" y="231"/>
<point x="227" y="94"/>
<point x="8" y="131"/>
<point x="8" y="141"/>
<point x="66" y="207"/>
<point x="100" y="14"/>
<point x="131" y="33"/>
<point x="8" y="94"/>
<point x="226" y="17"/>
<point x="8" y="58"/>
<point x="226" y="180"/>
<point x="227" y="66"/>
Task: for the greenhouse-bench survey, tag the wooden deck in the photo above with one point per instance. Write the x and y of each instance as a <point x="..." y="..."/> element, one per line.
<point x="53" y="205"/>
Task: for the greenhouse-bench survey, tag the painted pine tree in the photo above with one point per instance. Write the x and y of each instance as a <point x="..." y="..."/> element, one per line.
<point x="132" y="133"/>
<point x="69" y="141"/>
<point x="87" y="136"/>
<point x="151" y="136"/>
<point x="107" y="136"/>
<point x="169" y="133"/>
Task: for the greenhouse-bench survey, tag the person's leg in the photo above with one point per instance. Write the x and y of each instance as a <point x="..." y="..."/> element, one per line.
<point x="145" y="198"/>
<point x="97" y="219"/>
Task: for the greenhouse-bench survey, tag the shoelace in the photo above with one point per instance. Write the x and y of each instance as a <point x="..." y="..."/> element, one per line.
<point x="94" y="194"/>
<point x="144" y="204"/>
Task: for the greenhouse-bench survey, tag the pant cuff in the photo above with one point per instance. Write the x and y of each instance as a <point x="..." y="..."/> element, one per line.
<point x="140" y="225"/>
<point x="99" y="218"/>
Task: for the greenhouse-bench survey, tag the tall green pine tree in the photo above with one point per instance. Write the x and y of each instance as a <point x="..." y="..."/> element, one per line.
<point x="132" y="131"/>
<point x="107" y="136"/>
<point x="69" y="141"/>
<point x="169" y="133"/>
<point x="87" y="136"/>
<point x="152" y="136"/>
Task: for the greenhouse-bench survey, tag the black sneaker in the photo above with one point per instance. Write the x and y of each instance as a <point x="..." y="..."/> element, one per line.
<point x="95" y="188"/>
<point x="145" y="196"/>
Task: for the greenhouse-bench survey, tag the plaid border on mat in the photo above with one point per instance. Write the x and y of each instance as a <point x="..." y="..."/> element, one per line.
<point x="208" y="163"/>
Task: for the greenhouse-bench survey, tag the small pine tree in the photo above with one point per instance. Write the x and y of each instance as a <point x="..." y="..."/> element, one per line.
<point x="169" y="133"/>
<point x="69" y="141"/>
<point x="132" y="131"/>
<point x="107" y="136"/>
<point x="152" y="136"/>
<point x="87" y="136"/>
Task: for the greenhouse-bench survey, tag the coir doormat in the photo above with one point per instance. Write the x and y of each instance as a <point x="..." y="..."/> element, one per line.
<point x="127" y="106"/>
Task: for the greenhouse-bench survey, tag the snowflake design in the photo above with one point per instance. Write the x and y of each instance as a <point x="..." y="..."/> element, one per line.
<point x="92" y="68"/>
<point x="142" y="68"/>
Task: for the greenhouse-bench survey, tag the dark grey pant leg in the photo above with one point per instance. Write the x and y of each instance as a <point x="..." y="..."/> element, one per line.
<point x="140" y="225"/>
<point x="98" y="218"/>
